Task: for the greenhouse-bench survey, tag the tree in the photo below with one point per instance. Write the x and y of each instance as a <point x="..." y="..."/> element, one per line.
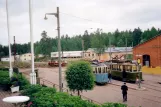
<point x="79" y="76"/>
<point x="97" y="42"/>
<point x="44" y="35"/>
<point x="137" y="36"/>
<point x="86" y="38"/>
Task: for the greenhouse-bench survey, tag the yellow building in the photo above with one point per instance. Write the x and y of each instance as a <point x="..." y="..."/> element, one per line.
<point x="25" y="57"/>
<point x="115" y="52"/>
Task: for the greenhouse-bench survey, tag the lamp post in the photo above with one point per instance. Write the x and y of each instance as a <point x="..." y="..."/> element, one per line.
<point x="59" y="45"/>
<point x="9" y="44"/>
<point x="32" y="74"/>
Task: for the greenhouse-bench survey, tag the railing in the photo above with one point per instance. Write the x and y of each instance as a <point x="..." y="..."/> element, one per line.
<point x="48" y="83"/>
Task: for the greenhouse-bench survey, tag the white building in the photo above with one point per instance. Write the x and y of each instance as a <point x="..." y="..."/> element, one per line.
<point x="7" y="59"/>
<point x="67" y="54"/>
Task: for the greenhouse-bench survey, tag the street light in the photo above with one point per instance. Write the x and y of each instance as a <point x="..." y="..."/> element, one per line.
<point x="9" y="44"/>
<point x="59" y="44"/>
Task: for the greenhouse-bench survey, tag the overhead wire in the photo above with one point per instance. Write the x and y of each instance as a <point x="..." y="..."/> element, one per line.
<point x="84" y="19"/>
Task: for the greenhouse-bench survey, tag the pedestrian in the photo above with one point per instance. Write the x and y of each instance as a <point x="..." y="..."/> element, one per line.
<point x="124" y="74"/>
<point x="109" y="77"/>
<point x="124" y="89"/>
<point x="137" y="79"/>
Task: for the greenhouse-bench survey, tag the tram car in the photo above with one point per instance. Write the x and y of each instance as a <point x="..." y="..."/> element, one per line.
<point x="56" y="63"/>
<point x="133" y="71"/>
<point x="100" y="71"/>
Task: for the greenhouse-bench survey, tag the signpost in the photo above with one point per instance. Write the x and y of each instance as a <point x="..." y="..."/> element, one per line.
<point x="138" y="68"/>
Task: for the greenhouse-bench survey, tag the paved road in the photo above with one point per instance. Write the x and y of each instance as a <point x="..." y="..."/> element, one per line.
<point x="151" y="97"/>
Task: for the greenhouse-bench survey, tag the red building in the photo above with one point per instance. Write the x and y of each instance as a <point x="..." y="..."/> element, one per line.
<point x="149" y="52"/>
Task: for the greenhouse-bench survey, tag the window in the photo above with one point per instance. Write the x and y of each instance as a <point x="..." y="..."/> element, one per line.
<point x="89" y="55"/>
<point x="54" y="54"/>
<point x="92" y="54"/>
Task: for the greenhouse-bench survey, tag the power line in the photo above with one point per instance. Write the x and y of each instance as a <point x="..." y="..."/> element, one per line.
<point x="83" y="18"/>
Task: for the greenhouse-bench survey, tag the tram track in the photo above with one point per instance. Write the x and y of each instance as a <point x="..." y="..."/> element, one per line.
<point x="132" y="94"/>
<point x="152" y="87"/>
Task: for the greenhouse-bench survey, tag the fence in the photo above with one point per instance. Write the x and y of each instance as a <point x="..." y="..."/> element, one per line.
<point x="48" y="83"/>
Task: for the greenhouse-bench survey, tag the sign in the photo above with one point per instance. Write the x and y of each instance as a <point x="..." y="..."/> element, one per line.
<point x="138" y="55"/>
<point x="138" y="61"/>
<point x="134" y="61"/>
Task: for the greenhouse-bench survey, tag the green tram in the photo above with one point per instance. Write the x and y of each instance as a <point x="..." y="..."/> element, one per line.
<point x="133" y="71"/>
<point x="101" y="72"/>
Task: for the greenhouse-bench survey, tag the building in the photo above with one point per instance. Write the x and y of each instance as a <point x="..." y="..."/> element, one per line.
<point x="25" y="57"/>
<point x="67" y="54"/>
<point x="115" y="52"/>
<point x="7" y="59"/>
<point x="149" y="52"/>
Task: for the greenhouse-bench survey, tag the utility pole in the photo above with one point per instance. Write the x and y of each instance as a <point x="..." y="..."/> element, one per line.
<point x="59" y="45"/>
<point x="14" y="49"/>
<point x="32" y="74"/>
<point x="126" y="48"/>
<point x="110" y="55"/>
<point x="59" y="49"/>
<point x="82" y="48"/>
<point x="9" y="44"/>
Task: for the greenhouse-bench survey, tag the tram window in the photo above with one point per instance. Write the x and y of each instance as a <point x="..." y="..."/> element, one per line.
<point x="99" y="70"/>
<point x="104" y="70"/>
<point x="95" y="70"/>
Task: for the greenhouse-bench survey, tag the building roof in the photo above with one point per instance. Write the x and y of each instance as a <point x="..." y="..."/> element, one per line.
<point x="114" y="49"/>
<point x="147" y="40"/>
<point x="68" y="54"/>
<point x="119" y="49"/>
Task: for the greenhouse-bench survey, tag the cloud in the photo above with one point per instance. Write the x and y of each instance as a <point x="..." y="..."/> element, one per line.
<point x="106" y="14"/>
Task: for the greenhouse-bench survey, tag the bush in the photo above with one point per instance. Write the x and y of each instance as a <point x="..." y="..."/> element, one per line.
<point x="23" y="81"/>
<point x="6" y="82"/>
<point x="22" y="65"/>
<point x="44" y="98"/>
<point x="114" y="105"/>
<point x="30" y="90"/>
<point x="65" y="100"/>
<point x="4" y="77"/>
<point x="48" y="97"/>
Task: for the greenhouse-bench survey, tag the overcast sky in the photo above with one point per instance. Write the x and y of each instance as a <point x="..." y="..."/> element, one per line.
<point x="106" y="14"/>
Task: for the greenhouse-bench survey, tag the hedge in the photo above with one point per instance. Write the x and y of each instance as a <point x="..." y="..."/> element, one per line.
<point x="48" y="97"/>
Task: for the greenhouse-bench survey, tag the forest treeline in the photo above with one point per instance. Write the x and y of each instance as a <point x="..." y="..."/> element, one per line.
<point x="97" y="39"/>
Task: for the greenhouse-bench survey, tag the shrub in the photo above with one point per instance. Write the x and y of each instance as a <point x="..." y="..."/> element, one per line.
<point x="114" y="105"/>
<point x="30" y="90"/>
<point x="4" y="77"/>
<point x="48" y="97"/>
<point x="6" y="82"/>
